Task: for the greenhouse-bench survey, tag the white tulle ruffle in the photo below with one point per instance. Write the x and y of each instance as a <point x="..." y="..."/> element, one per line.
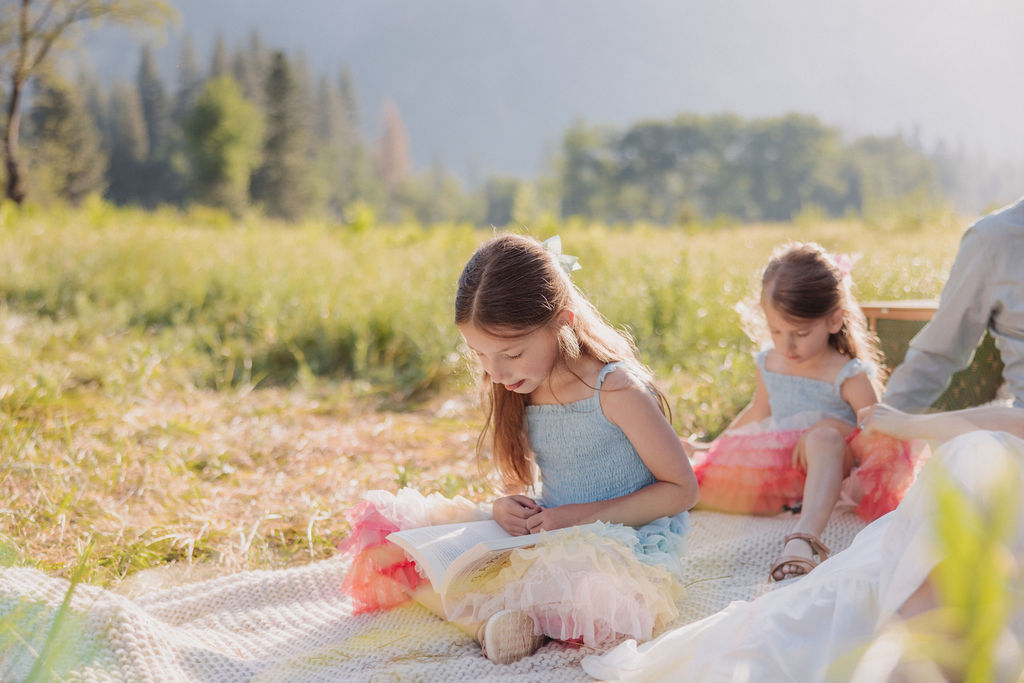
<point x="583" y="583"/>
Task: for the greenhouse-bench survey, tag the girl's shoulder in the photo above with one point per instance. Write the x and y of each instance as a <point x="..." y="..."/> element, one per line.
<point x="618" y="376"/>
<point x="770" y="360"/>
<point x="625" y="391"/>
<point x="853" y="367"/>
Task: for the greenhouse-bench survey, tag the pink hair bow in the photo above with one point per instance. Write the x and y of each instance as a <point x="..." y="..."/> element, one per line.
<point x="844" y="263"/>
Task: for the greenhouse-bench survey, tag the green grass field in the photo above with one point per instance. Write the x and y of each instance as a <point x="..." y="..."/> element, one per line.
<point x="185" y="391"/>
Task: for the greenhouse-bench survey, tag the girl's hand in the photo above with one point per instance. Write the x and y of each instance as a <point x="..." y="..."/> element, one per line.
<point x="512" y="513"/>
<point x="553" y="518"/>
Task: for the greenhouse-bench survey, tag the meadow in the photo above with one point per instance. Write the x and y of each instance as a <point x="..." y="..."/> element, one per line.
<point x="190" y="394"/>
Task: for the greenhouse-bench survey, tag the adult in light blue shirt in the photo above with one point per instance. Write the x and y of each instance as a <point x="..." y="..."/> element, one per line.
<point x="985" y="291"/>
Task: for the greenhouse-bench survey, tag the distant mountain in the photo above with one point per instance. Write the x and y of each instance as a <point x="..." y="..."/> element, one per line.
<point x="489" y="87"/>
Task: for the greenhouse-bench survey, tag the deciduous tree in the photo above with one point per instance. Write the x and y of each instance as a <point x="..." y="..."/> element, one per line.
<point x="31" y="32"/>
<point x="223" y="135"/>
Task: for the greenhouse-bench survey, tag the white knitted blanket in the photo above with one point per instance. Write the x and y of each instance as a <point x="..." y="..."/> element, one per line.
<point x="295" y="625"/>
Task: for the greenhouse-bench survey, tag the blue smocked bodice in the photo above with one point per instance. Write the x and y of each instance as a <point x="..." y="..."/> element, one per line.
<point x="790" y="395"/>
<point x="582" y="456"/>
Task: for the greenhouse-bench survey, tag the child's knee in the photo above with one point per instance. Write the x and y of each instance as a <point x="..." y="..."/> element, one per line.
<point x="826" y="441"/>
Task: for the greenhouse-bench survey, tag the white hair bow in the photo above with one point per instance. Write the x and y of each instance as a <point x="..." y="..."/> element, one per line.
<point x="569" y="263"/>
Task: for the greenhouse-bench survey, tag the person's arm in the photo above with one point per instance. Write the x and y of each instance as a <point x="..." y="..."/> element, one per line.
<point x="758" y="409"/>
<point x="942" y="426"/>
<point x="946" y="343"/>
<point x="631" y="406"/>
<point x="859" y="392"/>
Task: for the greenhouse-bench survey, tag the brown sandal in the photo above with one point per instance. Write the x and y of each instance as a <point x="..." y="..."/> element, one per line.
<point x="818" y="549"/>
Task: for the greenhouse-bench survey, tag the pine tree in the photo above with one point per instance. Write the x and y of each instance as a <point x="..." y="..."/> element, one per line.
<point x="303" y="84"/>
<point x="282" y="182"/>
<point x="190" y="80"/>
<point x="250" y="69"/>
<point x="393" y="164"/>
<point x="189" y="84"/>
<point x="67" y="161"/>
<point x="347" y="91"/>
<point x="358" y="175"/>
<point x="129" y="146"/>
<point x="223" y="133"/>
<point x="160" y="182"/>
<point x="220" y="65"/>
<point x="338" y="149"/>
<point x="440" y="195"/>
<point x="329" y="150"/>
<point x="328" y="114"/>
<point x="156" y="106"/>
<point x="96" y="100"/>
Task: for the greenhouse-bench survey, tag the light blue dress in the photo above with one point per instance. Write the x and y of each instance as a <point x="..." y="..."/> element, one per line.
<point x="584" y="457"/>
<point x="791" y="396"/>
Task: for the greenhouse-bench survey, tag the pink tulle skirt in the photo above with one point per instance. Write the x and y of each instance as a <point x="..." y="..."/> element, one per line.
<point x="381" y="576"/>
<point x="752" y="472"/>
<point x="593" y="583"/>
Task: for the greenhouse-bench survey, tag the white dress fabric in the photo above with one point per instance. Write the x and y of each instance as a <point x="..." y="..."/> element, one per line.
<point x="819" y="627"/>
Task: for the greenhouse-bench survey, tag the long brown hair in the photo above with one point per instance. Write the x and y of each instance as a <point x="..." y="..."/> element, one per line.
<point x="511" y="286"/>
<point x="804" y="282"/>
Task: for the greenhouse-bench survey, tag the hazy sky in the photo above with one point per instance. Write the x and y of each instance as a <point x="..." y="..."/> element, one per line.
<point x="490" y="85"/>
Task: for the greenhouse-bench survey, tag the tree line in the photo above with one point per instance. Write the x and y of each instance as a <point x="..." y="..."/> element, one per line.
<point x="253" y="129"/>
<point x="761" y="169"/>
<point x="250" y="129"/>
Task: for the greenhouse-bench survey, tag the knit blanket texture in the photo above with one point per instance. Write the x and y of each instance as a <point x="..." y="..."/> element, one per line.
<point x="295" y="625"/>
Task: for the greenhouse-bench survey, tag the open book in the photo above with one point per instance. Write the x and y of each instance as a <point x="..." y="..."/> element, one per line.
<point x="453" y="555"/>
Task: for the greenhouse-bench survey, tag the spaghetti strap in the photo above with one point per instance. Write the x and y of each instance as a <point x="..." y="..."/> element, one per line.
<point x="604" y="373"/>
<point x="759" y="358"/>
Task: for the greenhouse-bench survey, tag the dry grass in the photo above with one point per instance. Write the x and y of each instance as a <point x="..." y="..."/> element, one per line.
<point x="215" y="482"/>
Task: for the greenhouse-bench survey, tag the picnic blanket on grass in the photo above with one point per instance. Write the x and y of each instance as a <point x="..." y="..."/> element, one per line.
<point x="295" y="624"/>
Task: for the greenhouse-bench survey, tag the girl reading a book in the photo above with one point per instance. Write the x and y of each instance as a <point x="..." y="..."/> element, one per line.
<point x="567" y="399"/>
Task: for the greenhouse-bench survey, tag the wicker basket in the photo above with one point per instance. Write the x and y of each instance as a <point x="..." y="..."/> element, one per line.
<point x="896" y="323"/>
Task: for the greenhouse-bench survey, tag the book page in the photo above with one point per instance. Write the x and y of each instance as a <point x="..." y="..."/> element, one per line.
<point x="434" y="548"/>
<point x="476" y="566"/>
<point x="486" y="557"/>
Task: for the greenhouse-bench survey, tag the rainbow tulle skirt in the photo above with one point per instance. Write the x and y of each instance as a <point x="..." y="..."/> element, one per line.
<point x="752" y="472"/>
<point x="594" y="583"/>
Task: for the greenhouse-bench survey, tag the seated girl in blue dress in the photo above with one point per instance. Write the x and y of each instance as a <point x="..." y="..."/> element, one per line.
<point x="566" y="398"/>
